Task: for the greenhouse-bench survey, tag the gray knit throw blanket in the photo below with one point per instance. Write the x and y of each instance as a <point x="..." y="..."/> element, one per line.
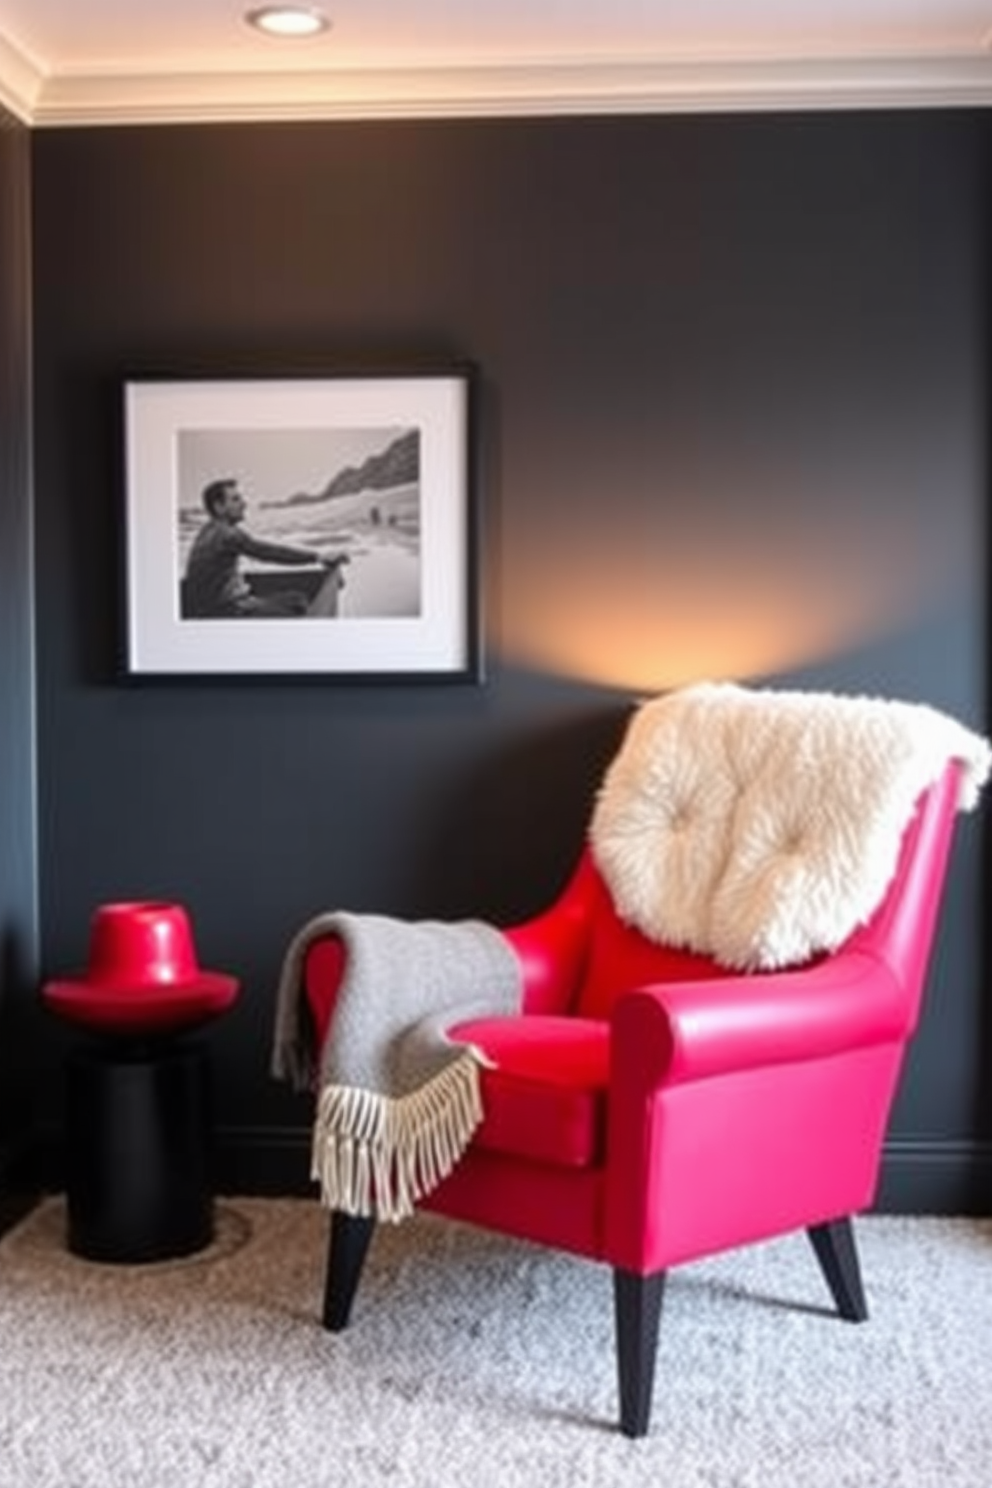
<point x="397" y="1099"/>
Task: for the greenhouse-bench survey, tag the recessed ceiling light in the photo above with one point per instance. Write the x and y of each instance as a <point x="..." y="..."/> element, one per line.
<point x="288" y="20"/>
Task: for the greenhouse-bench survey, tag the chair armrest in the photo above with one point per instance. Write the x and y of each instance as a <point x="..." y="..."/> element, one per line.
<point x="678" y="1032"/>
<point x="323" y="968"/>
<point x="550" y="949"/>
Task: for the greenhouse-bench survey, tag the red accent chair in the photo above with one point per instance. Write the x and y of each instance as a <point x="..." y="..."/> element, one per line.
<point x="649" y="1107"/>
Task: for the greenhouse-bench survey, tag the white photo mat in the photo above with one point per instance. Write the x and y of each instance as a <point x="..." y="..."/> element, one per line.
<point x="406" y="607"/>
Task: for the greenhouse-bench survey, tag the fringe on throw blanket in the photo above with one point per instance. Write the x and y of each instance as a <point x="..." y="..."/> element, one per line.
<point x="397" y="1099"/>
<point x="372" y="1154"/>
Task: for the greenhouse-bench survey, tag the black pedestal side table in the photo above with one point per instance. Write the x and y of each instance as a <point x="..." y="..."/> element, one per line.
<point x="138" y="1166"/>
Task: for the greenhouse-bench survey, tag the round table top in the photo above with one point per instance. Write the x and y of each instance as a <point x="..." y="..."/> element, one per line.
<point x="137" y="1010"/>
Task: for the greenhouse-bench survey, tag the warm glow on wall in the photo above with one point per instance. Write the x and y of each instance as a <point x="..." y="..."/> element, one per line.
<point x="645" y="620"/>
<point x="615" y="647"/>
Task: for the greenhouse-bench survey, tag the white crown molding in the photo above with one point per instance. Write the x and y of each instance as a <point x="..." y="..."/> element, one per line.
<point x="21" y="81"/>
<point x="476" y="90"/>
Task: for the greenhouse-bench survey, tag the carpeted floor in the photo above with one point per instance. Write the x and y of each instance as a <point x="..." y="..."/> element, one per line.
<point x="477" y="1362"/>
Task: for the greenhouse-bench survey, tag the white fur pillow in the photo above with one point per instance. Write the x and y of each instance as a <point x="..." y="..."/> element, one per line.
<point x="761" y="827"/>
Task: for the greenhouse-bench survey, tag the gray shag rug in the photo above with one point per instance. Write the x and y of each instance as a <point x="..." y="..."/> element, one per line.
<point x="480" y="1362"/>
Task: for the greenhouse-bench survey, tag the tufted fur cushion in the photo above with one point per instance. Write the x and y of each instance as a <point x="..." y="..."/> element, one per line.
<point x="762" y="827"/>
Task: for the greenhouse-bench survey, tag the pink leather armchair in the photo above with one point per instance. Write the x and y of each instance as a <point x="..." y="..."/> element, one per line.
<point x="649" y="1107"/>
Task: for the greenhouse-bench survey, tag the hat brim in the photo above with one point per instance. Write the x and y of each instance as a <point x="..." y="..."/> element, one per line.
<point x="156" y="1007"/>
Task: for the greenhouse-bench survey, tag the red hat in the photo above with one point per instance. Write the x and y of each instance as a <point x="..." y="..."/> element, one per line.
<point x="143" y="974"/>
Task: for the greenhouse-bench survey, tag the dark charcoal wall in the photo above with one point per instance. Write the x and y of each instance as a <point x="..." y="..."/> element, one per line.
<point x="18" y="929"/>
<point x="733" y="409"/>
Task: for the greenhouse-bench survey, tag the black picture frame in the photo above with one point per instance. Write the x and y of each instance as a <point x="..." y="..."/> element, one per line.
<point x="371" y="473"/>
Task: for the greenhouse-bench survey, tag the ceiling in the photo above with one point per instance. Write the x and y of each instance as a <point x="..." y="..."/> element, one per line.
<point x="117" y="61"/>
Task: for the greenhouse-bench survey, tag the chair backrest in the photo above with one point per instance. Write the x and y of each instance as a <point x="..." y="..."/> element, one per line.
<point x="900" y="931"/>
<point x="619" y="957"/>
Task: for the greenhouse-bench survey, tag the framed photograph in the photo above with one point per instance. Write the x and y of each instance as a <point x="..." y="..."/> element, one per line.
<point x="318" y="526"/>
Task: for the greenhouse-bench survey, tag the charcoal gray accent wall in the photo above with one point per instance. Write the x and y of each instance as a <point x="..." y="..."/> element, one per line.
<point x="18" y="920"/>
<point x="733" y="405"/>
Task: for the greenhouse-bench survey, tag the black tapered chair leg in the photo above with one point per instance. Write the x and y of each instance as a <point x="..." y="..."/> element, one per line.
<point x="637" y="1308"/>
<point x="348" y="1243"/>
<point x="837" y="1252"/>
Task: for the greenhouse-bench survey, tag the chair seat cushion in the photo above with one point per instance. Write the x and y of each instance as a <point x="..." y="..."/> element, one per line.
<point x="545" y="1097"/>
